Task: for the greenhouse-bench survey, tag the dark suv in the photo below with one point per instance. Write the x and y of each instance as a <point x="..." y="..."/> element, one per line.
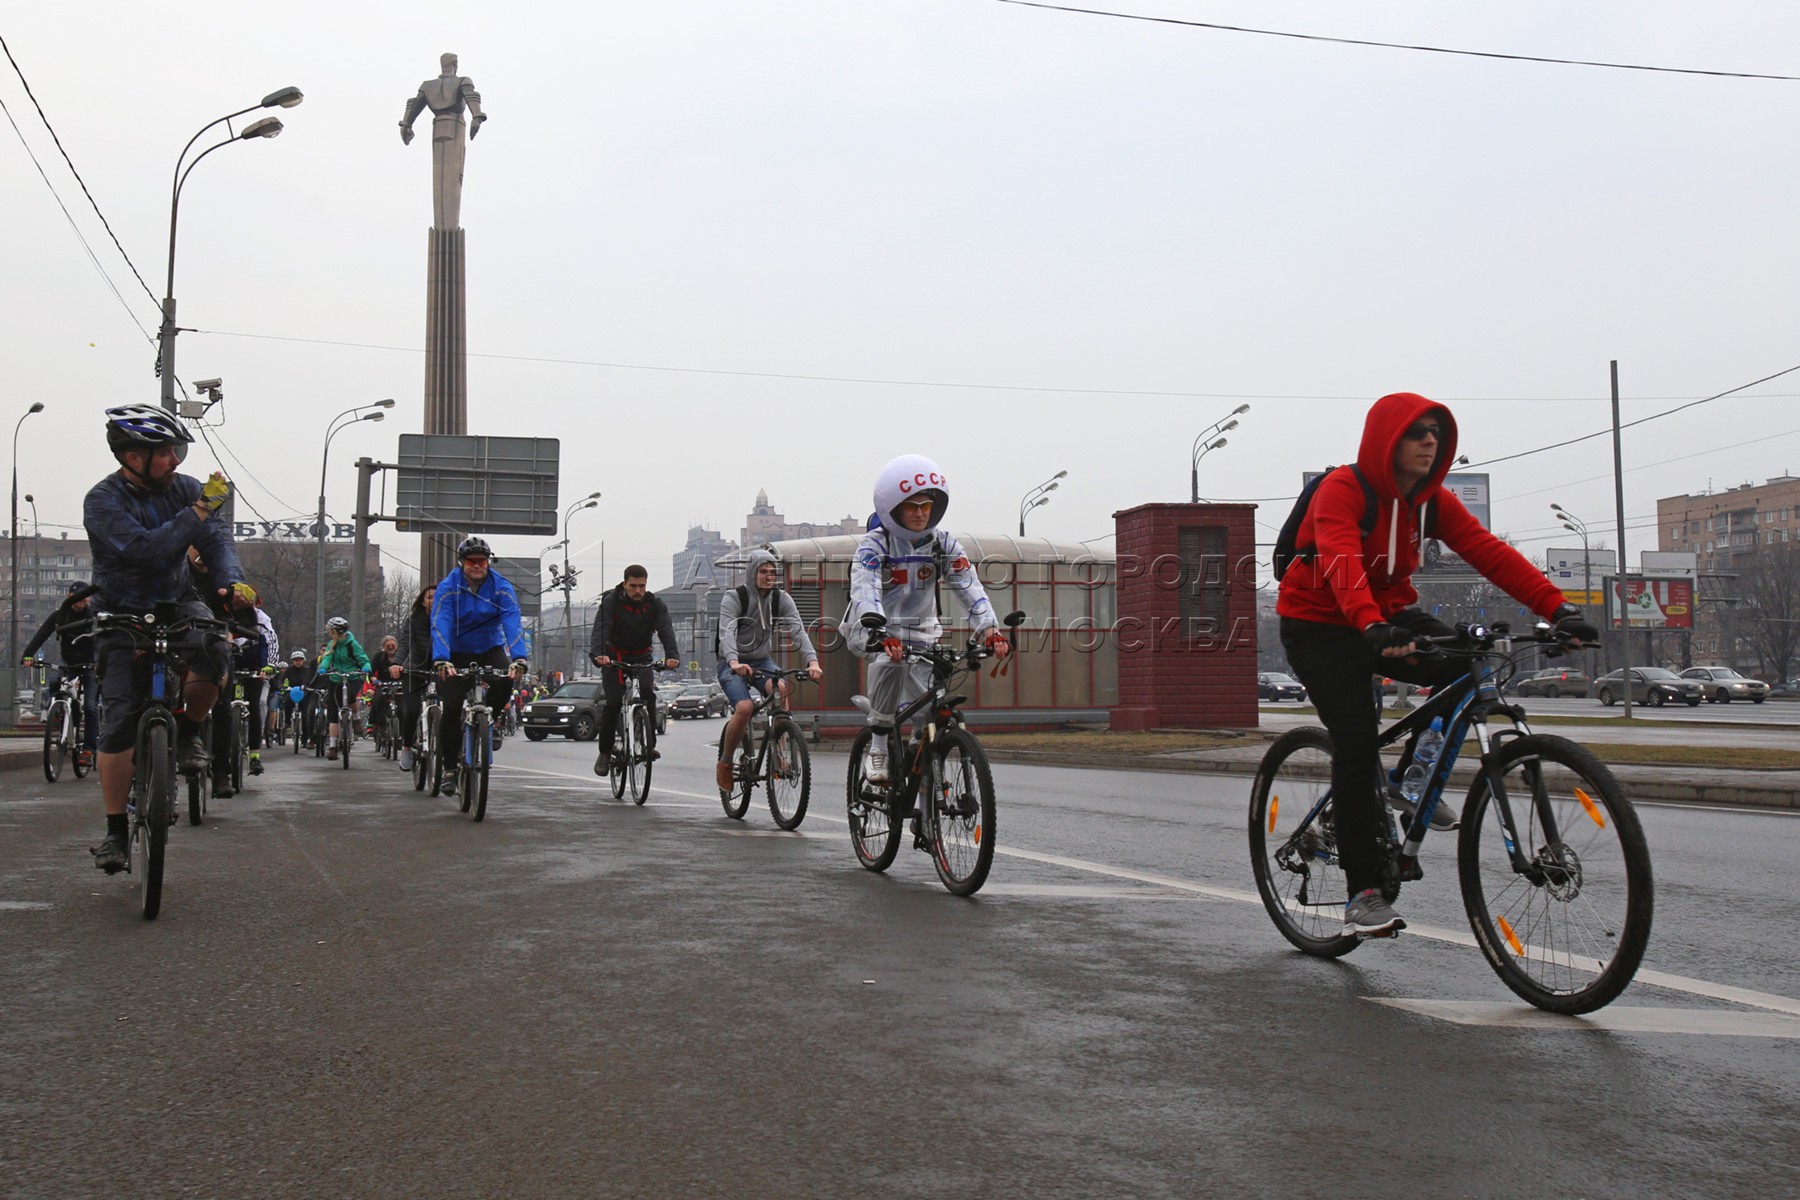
<point x="573" y="710"/>
<point x="700" y="700"/>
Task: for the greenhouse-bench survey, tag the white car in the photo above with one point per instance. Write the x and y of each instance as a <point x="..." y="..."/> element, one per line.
<point x="1723" y="685"/>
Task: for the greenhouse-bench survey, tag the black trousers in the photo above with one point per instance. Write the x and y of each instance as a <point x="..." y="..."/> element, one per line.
<point x="612" y="684"/>
<point x="1336" y="663"/>
<point x="453" y="690"/>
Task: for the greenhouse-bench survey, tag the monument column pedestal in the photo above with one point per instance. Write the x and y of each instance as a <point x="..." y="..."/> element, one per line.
<point x="446" y="375"/>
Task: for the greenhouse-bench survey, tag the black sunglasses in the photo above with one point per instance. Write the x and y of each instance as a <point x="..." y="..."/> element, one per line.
<point x="1421" y="431"/>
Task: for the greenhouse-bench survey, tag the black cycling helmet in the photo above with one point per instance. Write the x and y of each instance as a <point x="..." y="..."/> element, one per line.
<point x="146" y="427"/>
<point x="473" y="544"/>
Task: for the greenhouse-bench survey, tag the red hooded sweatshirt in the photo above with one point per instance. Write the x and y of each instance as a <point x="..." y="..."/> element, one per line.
<point x="1357" y="582"/>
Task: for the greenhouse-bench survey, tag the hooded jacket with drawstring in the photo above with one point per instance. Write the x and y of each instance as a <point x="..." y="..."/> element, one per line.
<point x="748" y="635"/>
<point x="1356" y="581"/>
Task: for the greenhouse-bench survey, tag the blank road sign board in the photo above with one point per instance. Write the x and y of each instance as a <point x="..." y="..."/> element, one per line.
<point x="463" y="483"/>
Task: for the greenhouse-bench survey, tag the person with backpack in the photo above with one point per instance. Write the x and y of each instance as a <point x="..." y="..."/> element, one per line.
<point x="1347" y="609"/>
<point x="900" y="565"/>
<point x="630" y="617"/>
<point x="749" y="615"/>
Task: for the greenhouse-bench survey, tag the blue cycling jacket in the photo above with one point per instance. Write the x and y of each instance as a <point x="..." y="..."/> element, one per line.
<point x="140" y="538"/>
<point x="470" y="620"/>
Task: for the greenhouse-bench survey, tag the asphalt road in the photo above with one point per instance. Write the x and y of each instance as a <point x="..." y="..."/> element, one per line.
<point x="355" y="991"/>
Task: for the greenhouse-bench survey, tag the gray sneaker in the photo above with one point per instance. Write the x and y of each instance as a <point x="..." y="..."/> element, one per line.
<point x="406" y="758"/>
<point x="113" y="854"/>
<point x="1368" y="915"/>
<point x="1444" y="817"/>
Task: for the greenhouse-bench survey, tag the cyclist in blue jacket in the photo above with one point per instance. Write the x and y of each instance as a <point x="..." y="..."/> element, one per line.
<point x="474" y="622"/>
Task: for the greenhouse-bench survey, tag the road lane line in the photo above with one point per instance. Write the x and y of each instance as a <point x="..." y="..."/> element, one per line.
<point x="1454" y="937"/>
<point x="1614" y="1019"/>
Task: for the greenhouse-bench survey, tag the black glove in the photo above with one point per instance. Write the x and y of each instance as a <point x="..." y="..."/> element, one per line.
<point x="1384" y="636"/>
<point x="1571" y="624"/>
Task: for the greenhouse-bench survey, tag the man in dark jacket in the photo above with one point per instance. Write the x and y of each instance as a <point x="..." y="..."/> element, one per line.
<point x="630" y="616"/>
<point x="77" y="660"/>
<point x="1346" y="608"/>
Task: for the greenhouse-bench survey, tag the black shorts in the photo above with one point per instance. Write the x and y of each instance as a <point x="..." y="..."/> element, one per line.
<point x="125" y="673"/>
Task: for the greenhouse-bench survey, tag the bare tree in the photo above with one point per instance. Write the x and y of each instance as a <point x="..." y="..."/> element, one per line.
<point x="1768" y="614"/>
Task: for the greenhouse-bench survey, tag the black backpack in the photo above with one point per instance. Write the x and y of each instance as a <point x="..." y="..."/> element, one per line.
<point x="1287" y="548"/>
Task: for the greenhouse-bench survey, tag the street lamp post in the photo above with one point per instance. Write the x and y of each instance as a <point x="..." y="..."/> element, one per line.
<point x="363" y="412"/>
<point x="569" y="574"/>
<point x="1037" y="497"/>
<point x="12" y="642"/>
<point x="1578" y="527"/>
<point x="267" y="127"/>
<point x="1224" y="424"/>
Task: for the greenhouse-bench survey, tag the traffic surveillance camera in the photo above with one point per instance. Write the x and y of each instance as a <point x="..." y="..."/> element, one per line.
<point x="207" y="385"/>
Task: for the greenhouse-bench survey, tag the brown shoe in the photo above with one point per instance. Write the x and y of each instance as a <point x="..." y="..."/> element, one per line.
<point x="722" y="773"/>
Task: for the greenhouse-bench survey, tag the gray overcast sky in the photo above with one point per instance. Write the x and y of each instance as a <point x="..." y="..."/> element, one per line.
<point x="954" y="191"/>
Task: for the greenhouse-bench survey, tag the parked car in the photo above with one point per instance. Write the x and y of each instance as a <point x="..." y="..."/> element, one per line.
<point x="1275" y="687"/>
<point x="1723" y="685"/>
<point x="700" y="700"/>
<point x="1552" y="682"/>
<point x="573" y="710"/>
<point x="1787" y="688"/>
<point x="1649" y="685"/>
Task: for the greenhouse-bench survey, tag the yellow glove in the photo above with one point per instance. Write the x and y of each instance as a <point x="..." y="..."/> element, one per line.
<point x="215" y="491"/>
<point x="241" y="591"/>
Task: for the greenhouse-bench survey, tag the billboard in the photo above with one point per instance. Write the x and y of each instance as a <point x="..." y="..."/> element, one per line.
<point x="1651" y="603"/>
<point x="458" y="483"/>
<point x="1580" y="573"/>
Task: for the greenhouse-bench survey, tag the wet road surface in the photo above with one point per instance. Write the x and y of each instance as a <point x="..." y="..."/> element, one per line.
<point x="355" y="991"/>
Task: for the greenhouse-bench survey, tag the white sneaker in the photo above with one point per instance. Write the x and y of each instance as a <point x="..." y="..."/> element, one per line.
<point x="406" y="758"/>
<point x="875" y="765"/>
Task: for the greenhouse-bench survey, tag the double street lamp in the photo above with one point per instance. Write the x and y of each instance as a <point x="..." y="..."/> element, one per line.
<point x="12" y="642"/>
<point x="1205" y="444"/>
<point x="361" y="412"/>
<point x="267" y="127"/>
<point x="566" y="581"/>
<point x="1037" y="497"/>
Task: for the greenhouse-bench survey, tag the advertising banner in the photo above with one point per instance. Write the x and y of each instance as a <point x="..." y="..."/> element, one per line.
<point x="1580" y="578"/>
<point x="1651" y="603"/>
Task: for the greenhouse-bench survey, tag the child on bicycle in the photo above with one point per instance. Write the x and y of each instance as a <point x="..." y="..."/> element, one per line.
<point x="748" y="618"/>
<point x="1346" y="608"/>
<point x="901" y="565"/>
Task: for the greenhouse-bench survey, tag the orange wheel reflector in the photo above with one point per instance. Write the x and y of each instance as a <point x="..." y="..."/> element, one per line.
<point x="978" y="835"/>
<point x="1593" y="810"/>
<point x="1274" y="808"/>
<point x="1512" y="939"/>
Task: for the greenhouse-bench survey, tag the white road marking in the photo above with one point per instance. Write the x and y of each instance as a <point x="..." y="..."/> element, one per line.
<point x="1455" y="937"/>
<point x="1616" y="1019"/>
<point x="25" y="905"/>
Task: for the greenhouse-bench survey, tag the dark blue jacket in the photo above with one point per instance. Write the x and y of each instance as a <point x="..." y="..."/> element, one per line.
<point x="140" y="538"/>
<point x="467" y="620"/>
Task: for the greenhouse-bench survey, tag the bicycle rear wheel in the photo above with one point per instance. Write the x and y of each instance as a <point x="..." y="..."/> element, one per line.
<point x="434" y="734"/>
<point x="152" y="828"/>
<point x="789" y="775"/>
<point x="240" y="750"/>
<point x="874" y="833"/>
<point x="961" y="818"/>
<point x="482" y="759"/>
<point x="197" y="787"/>
<point x="641" y="763"/>
<point x="53" y="740"/>
<point x="1293" y="852"/>
<point x="1569" y="935"/>
<point x="77" y="742"/>
<point x="421" y="764"/>
<point x="622" y="748"/>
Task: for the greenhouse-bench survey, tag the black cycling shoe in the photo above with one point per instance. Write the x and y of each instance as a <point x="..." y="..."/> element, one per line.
<point x="256" y="767"/>
<point x="222" y="789"/>
<point x="113" y="854"/>
<point x="603" y="765"/>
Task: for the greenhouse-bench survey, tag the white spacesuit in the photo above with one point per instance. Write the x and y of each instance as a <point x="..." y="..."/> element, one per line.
<point x="899" y="573"/>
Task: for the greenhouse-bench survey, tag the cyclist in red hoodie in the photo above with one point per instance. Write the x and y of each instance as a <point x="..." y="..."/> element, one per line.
<point x="1346" y="607"/>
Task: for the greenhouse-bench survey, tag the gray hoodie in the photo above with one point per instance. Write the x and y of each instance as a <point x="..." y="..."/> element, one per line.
<point x="746" y="635"/>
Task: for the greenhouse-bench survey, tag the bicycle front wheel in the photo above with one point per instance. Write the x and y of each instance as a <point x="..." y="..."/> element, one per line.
<point x="240" y="752"/>
<point x="421" y="764"/>
<point x="874" y="833"/>
<point x="197" y="787"/>
<point x="1293" y="846"/>
<point x="435" y="751"/>
<point x="53" y="740"/>
<point x="1568" y="933"/>
<point x="789" y="775"/>
<point x="961" y="814"/>
<point x="481" y="759"/>
<point x="152" y="831"/>
<point x="640" y="759"/>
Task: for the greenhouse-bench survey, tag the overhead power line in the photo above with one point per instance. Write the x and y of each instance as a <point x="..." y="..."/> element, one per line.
<point x="1344" y="41"/>
<point x="77" y="174"/>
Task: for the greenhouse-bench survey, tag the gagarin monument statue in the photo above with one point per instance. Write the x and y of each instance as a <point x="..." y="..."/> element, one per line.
<point x="446" y="96"/>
